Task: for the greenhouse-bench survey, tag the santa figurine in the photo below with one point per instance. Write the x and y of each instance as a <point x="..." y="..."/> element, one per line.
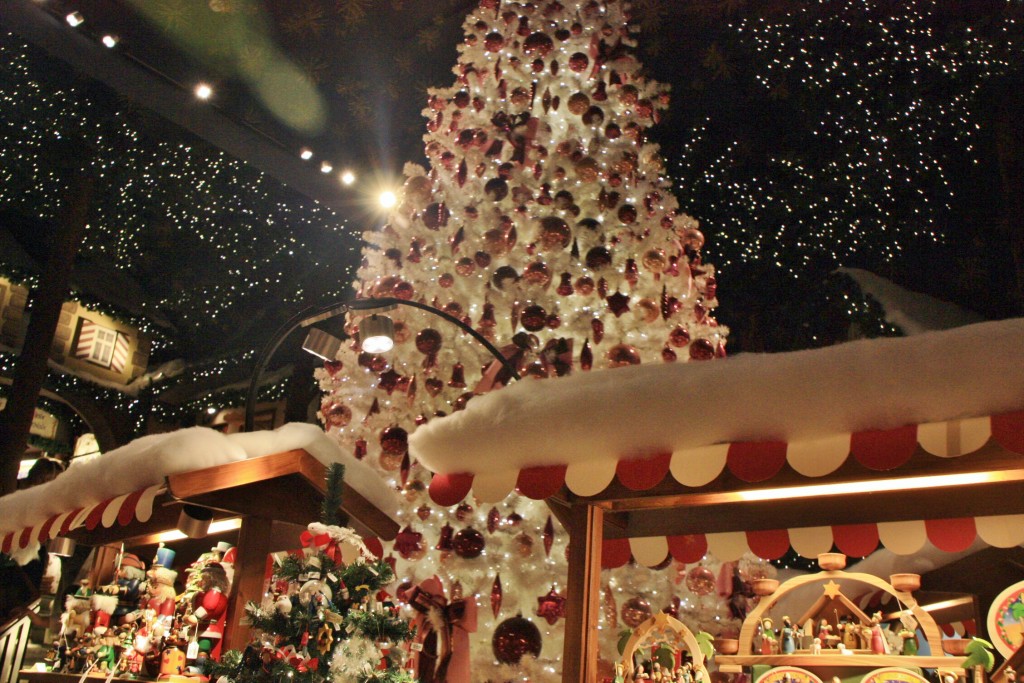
<point x="77" y="612"/>
<point x="103" y="606"/>
<point x="209" y="607"/>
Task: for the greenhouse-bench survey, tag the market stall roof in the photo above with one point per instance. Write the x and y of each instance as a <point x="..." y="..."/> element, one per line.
<point x="250" y="473"/>
<point x="939" y="404"/>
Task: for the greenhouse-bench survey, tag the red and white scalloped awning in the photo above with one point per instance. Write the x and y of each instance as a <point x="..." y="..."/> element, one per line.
<point x="749" y="461"/>
<point x="855" y="540"/>
<point x="121" y="510"/>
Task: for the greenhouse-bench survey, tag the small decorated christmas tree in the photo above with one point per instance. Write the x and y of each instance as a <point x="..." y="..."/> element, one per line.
<point x="325" y="615"/>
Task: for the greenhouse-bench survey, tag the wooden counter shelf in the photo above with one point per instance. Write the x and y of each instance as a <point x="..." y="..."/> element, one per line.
<point x="735" y="663"/>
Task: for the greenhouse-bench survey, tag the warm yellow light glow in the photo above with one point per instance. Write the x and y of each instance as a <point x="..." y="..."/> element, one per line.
<point x="217" y="527"/>
<point x="326" y="167"/>
<point x="945" y="604"/>
<point x="306" y="154"/>
<point x="75" y="19"/>
<point x="109" y="40"/>
<point x="387" y="199"/>
<point x="876" y="486"/>
<point x="347" y="177"/>
<point x="203" y="91"/>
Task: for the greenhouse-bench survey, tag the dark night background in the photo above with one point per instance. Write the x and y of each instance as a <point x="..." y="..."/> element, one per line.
<point x="805" y="136"/>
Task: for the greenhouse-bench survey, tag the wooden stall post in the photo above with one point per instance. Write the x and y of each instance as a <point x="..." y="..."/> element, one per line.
<point x="250" y="567"/>
<point x="579" y="660"/>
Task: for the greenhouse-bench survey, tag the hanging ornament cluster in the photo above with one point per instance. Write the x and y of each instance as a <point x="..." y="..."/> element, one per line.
<point x="546" y="223"/>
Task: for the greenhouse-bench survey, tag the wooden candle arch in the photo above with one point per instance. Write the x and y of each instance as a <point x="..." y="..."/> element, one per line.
<point x="656" y="627"/>
<point x="829" y="579"/>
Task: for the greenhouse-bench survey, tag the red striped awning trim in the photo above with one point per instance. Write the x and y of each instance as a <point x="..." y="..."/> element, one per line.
<point x="855" y="540"/>
<point x="120" y="510"/>
<point x="879" y="450"/>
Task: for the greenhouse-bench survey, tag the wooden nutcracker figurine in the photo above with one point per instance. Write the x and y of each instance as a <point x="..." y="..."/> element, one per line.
<point x="209" y="607"/>
<point x="160" y="594"/>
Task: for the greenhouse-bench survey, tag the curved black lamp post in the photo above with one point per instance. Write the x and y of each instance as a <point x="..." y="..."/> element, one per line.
<point x="315" y="314"/>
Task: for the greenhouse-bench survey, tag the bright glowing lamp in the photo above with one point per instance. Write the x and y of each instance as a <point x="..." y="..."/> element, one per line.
<point x="377" y="333"/>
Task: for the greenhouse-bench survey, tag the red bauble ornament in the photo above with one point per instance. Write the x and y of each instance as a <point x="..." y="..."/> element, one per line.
<point x="394" y="441"/>
<point x="468" y="543"/>
<point x="679" y="337"/>
<point x="622" y="355"/>
<point x="436" y="216"/>
<point x="534" y="318"/>
<point x="584" y="286"/>
<point x="693" y="239"/>
<point x="635" y="611"/>
<point x="597" y="327"/>
<point x="598" y="258"/>
<point x="555" y="234"/>
<point x="336" y="414"/>
<point x="539" y="44"/>
<point x="668" y="355"/>
<point x="333" y="367"/>
<point x="504" y="275"/>
<point x="493" y="42"/>
<point x="551" y="606"/>
<point x="578" y="62"/>
<point x="537" y="273"/>
<point x="428" y="341"/>
<point x="514" y="638"/>
<point x="700" y="580"/>
<point x="702" y="349"/>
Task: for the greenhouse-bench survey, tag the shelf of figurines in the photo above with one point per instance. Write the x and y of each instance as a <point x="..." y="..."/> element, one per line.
<point x="139" y="626"/>
<point x="833" y="636"/>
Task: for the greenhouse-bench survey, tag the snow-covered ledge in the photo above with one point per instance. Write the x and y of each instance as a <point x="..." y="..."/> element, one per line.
<point x="148" y="460"/>
<point x="970" y="371"/>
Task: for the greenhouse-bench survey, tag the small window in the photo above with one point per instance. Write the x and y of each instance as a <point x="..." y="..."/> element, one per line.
<point x="101" y="345"/>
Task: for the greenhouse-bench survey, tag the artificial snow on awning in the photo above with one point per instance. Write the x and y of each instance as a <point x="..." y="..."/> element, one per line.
<point x="120" y="486"/>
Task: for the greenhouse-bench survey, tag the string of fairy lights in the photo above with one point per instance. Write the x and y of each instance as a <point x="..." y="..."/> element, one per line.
<point x="211" y="241"/>
<point x="883" y="106"/>
<point x="218" y="235"/>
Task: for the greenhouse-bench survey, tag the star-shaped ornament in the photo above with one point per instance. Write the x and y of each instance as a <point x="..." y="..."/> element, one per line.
<point x="618" y="303"/>
<point x="551" y="606"/>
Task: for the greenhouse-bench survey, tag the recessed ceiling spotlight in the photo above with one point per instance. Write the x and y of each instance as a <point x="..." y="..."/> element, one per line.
<point x="326" y="167"/>
<point x="109" y="40"/>
<point x="203" y="91"/>
<point x="306" y="153"/>
<point x="75" y="19"/>
<point x="347" y="177"/>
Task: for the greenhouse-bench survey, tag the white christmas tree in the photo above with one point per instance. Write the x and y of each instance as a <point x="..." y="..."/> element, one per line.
<point x="546" y="223"/>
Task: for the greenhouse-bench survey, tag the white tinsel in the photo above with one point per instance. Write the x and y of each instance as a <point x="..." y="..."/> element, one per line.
<point x="341" y="535"/>
<point x="354" y="659"/>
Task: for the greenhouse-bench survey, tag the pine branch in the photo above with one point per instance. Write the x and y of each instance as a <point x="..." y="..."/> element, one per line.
<point x="330" y="511"/>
